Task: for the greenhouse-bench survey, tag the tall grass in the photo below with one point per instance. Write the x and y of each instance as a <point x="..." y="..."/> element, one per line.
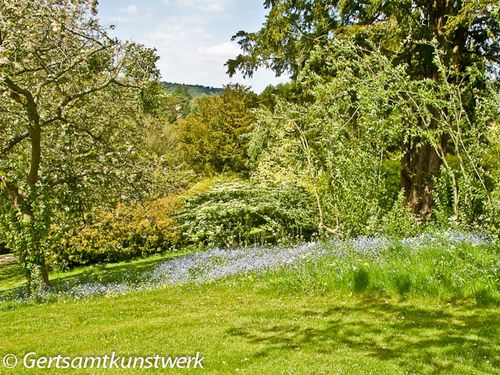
<point x="440" y="271"/>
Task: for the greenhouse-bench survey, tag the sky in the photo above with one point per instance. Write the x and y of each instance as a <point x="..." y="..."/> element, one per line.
<point x="192" y="37"/>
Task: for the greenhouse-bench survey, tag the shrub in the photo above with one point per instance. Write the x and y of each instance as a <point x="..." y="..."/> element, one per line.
<point x="234" y="213"/>
<point x="399" y="221"/>
<point x="126" y="233"/>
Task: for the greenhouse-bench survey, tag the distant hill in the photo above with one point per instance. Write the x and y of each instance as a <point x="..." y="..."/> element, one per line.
<point x="193" y="90"/>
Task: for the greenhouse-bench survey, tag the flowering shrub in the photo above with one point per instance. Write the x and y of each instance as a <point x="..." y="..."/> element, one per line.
<point x="234" y="213"/>
<point x="126" y="233"/>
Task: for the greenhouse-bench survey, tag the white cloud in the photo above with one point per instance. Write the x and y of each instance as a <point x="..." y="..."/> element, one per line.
<point x="223" y="50"/>
<point x="130" y="9"/>
<point x="185" y="30"/>
<point x="215" y="7"/>
<point x="210" y="6"/>
<point x="191" y="36"/>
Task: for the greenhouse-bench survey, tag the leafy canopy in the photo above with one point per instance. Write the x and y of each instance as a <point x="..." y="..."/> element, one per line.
<point x="68" y="94"/>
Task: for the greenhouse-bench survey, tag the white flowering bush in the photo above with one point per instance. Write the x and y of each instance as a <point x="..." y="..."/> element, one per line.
<point x="233" y="213"/>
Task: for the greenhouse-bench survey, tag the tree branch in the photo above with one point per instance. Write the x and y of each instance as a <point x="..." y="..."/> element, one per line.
<point x="29" y="104"/>
<point x="12" y="192"/>
<point x="10" y="144"/>
<point x="81" y="94"/>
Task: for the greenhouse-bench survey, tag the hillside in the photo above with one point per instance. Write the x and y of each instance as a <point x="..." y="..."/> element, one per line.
<point x="193" y="90"/>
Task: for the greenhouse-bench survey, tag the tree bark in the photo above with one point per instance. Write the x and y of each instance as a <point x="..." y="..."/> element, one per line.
<point x="419" y="165"/>
<point x="39" y="278"/>
<point x="32" y="255"/>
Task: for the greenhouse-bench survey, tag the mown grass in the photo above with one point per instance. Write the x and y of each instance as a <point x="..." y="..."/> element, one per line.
<point x="433" y="310"/>
<point x="242" y="326"/>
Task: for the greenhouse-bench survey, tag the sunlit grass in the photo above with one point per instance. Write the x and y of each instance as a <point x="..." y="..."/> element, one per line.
<point x="448" y="273"/>
<point x="428" y="310"/>
<point x="242" y="326"/>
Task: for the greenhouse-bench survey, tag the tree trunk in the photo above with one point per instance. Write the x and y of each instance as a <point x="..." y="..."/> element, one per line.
<point x="32" y="256"/>
<point x="421" y="163"/>
<point x="31" y="253"/>
<point x="418" y="167"/>
<point x="37" y="265"/>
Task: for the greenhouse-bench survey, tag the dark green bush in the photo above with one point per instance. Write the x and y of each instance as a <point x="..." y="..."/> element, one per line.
<point x="3" y="248"/>
<point x="235" y="213"/>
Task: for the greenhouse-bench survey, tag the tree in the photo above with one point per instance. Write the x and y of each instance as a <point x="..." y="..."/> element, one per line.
<point x="408" y="32"/>
<point x="338" y="143"/>
<point x="68" y="94"/>
<point x="214" y="138"/>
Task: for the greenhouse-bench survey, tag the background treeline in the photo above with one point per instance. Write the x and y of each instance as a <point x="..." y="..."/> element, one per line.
<point x="192" y="90"/>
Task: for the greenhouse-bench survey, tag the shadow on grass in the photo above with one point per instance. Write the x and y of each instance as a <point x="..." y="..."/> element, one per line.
<point x="8" y="271"/>
<point x="11" y="274"/>
<point x="132" y="271"/>
<point x="415" y="338"/>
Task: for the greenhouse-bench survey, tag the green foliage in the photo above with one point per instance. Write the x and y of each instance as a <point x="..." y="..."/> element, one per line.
<point x="126" y="233"/>
<point x="214" y="138"/>
<point x="68" y="94"/>
<point x="342" y="143"/>
<point x="335" y="145"/>
<point x="291" y="92"/>
<point x="399" y="221"/>
<point x="285" y="38"/>
<point x="234" y="213"/>
<point x="3" y="248"/>
<point x="466" y="190"/>
<point x="402" y="29"/>
<point x="391" y="171"/>
<point x="446" y="50"/>
<point x="165" y="106"/>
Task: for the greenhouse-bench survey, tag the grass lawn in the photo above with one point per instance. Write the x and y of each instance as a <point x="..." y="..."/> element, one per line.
<point x="243" y="326"/>
<point x="302" y="320"/>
